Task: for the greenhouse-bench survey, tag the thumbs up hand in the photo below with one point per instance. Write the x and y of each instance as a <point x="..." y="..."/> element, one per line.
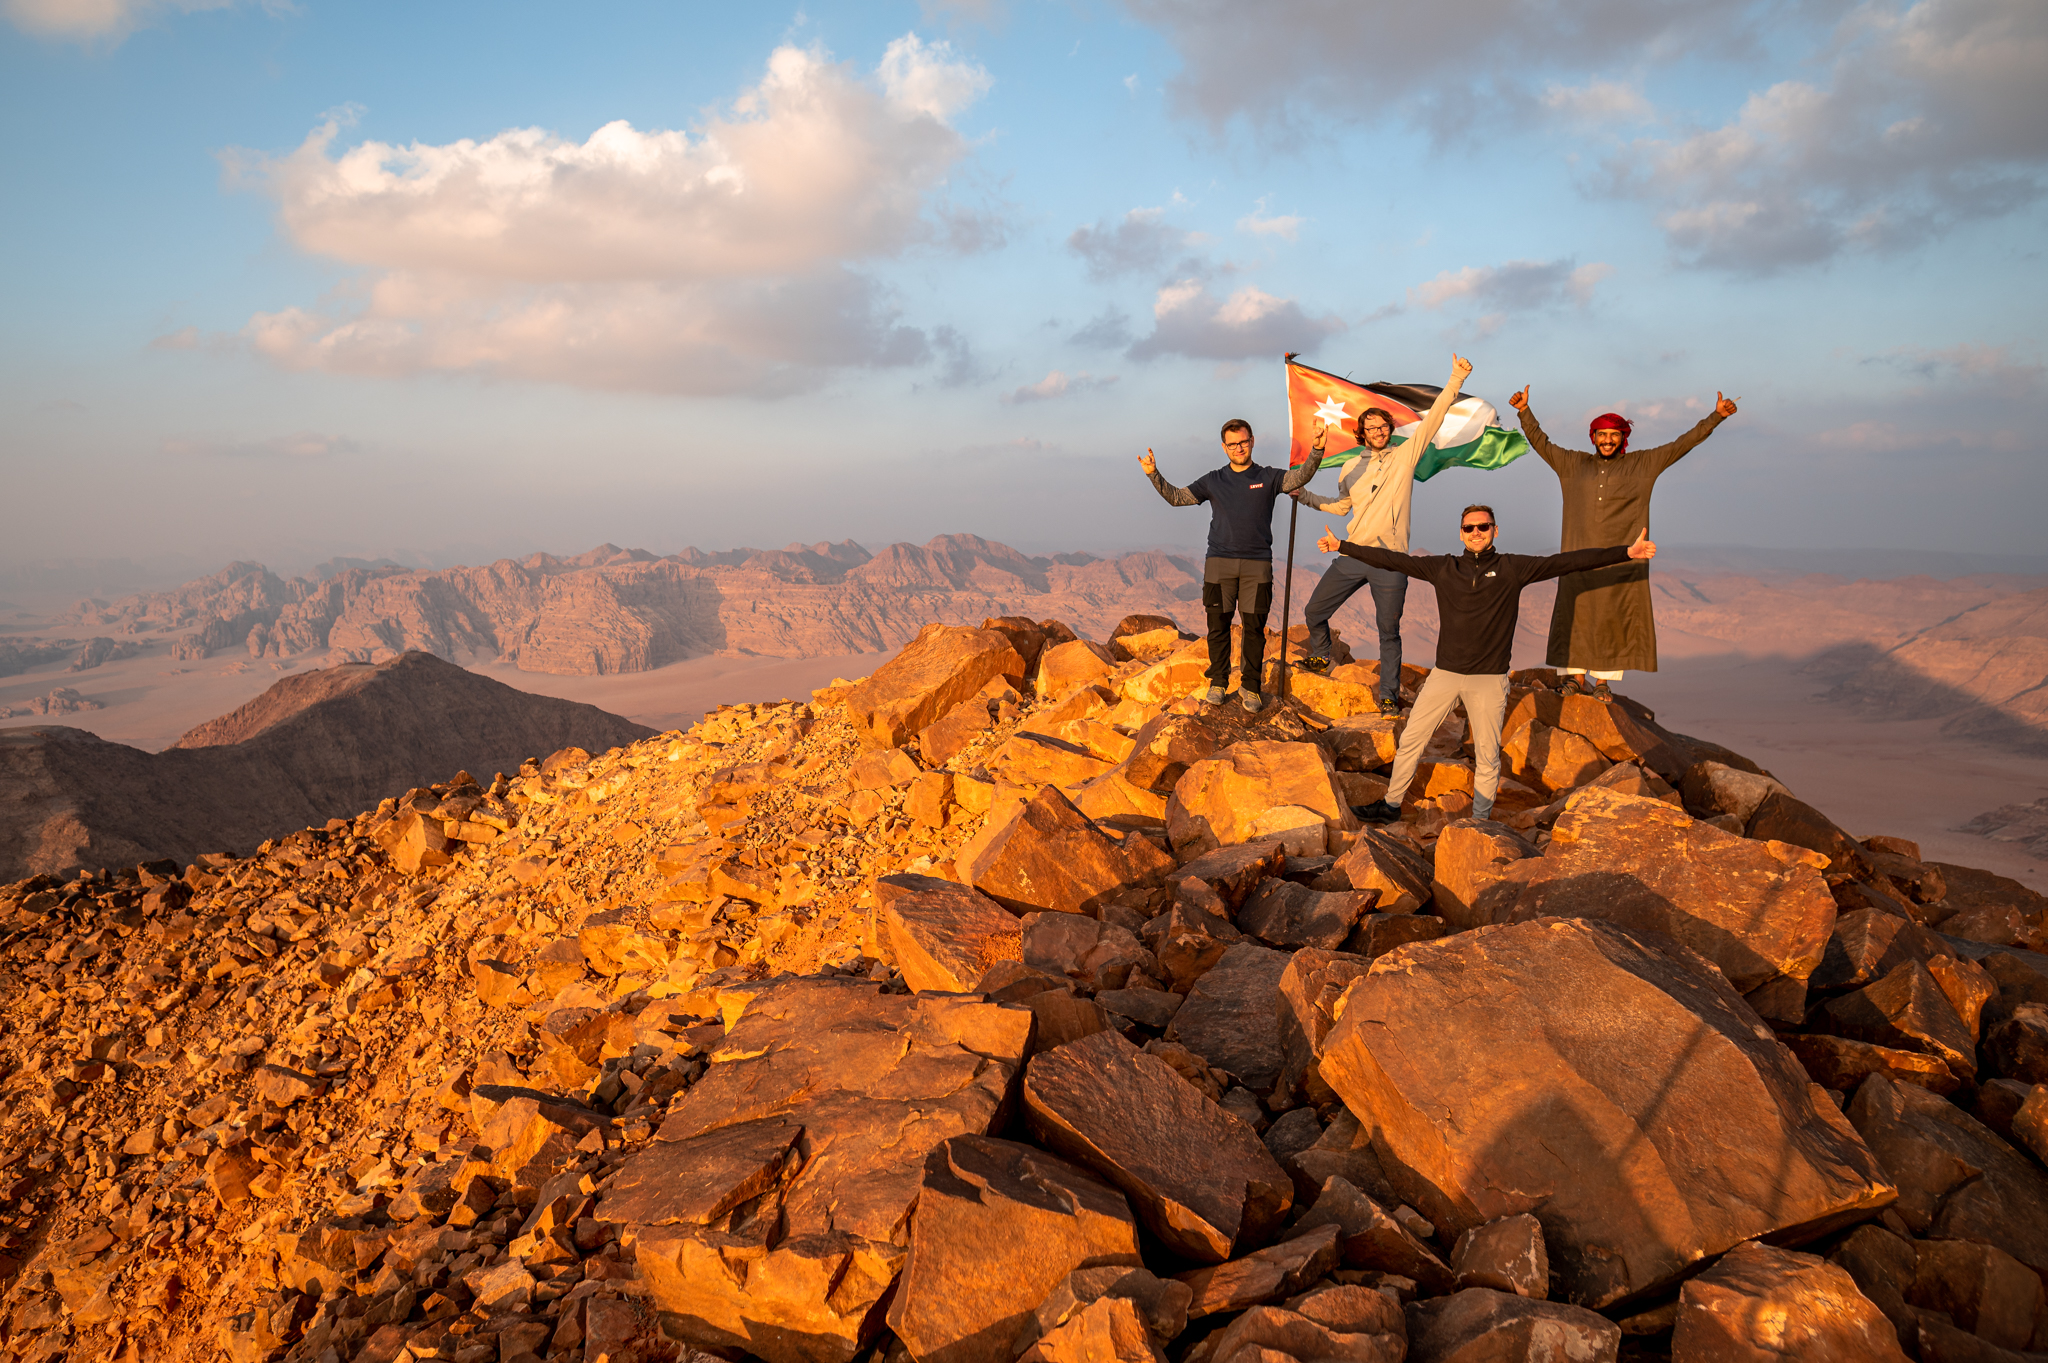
<point x="1329" y="542"/>
<point x="1642" y="548"/>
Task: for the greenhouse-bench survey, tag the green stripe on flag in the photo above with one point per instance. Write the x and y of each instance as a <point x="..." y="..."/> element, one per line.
<point x="1495" y="448"/>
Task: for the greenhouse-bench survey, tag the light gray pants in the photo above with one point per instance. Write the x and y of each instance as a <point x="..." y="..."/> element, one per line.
<point x="1486" y="705"/>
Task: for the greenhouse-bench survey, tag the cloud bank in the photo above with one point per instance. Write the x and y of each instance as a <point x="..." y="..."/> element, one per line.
<point x="721" y="261"/>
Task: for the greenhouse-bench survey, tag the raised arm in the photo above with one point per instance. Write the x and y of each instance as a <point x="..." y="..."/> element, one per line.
<point x="1664" y="456"/>
<point x="1298" y="476"/>
<point x="1532" y="431"/>
<point x="1175" y="496"/>
<point x="1433" y="420"/>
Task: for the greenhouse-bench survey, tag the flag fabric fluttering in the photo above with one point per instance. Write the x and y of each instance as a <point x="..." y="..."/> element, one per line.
<point x="1471" y="436"/>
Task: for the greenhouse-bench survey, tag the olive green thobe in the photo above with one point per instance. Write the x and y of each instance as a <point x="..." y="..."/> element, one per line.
<point x="1602" y="621"/>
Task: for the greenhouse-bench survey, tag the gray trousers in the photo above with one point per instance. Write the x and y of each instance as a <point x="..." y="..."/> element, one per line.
<point x="1486" y="705"/>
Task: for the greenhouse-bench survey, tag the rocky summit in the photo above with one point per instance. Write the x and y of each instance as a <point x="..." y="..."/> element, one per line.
<point x="1013" y="1003"/>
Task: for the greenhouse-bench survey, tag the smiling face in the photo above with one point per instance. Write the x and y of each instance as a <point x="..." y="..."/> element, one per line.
<point x="1476" y="530"/>
<point x="1607" y="442"/>
<point x="1237" y="447"/>
<point x="1374" y="431"/>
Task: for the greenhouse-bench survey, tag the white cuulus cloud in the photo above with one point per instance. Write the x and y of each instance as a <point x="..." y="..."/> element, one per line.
<point x="715" y="260"/>
<point x="1188" y="320"/>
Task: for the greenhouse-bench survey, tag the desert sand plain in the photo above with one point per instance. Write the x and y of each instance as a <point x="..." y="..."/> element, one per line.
<point x="1746" y="659"/>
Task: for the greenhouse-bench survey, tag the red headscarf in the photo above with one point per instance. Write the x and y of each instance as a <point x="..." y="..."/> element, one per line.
<point x="1612" y="421"/>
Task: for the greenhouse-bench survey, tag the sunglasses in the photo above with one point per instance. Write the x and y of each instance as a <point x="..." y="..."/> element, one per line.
<point x="1476" y="527"/>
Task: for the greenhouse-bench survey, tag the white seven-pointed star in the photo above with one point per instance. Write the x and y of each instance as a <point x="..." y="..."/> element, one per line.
<point x="1332" y="412"/>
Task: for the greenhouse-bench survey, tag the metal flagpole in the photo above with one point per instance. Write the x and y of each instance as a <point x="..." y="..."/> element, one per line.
<point x="1293" y="514"/>
<point x="1286" y="593"/>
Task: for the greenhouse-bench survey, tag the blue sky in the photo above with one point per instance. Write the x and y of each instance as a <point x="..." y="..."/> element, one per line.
<point x="291" y="280"/>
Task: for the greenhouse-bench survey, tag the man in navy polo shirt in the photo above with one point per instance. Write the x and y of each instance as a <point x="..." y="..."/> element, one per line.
<point x="1237" y="576"/>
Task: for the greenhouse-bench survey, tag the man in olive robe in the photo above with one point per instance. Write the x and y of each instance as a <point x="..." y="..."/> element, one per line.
<point x="1602" y="624"/>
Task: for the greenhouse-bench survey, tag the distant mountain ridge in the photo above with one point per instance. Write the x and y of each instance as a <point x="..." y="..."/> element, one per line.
<point x="614" y="610"/>
<point x="315" y="746"/>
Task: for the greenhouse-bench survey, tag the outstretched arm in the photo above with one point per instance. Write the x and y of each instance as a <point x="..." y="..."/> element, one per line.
<point x="1433" y="420"/>
<point x="1336" y="506"/>
<point x="1175" y="496"/>
<point x="1585" y="560"/>
<point x="1664" y="456"/>
<point x="1532" y="430"/>
<point x="1378" y="558"/>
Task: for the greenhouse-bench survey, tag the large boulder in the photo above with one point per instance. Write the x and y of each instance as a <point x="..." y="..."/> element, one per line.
<point x="943" y="666"/>
<point x="800" y="1271"/>
<point x="944" y="935"/>
<point x="1218" y="802"/>
<point x="1166" y="745"/>
<point x="1957" y="1180"/>
<point x="1065" y="668"/>
<point x="1758" y="910"/>
<point x="1473" y="881"/>
<point x="998" y="1227"/>
<point x="1605" y="1079"/>
<point x="1309" y="989"/>
<point x="1380" y="861"/>
<point x="1198" y="1177"/>
<point x="1480" y="1325"/>
<point x="1046" y="854"/>
<point x="1761" y="1302"/>
<point x="1232" y="1016"/>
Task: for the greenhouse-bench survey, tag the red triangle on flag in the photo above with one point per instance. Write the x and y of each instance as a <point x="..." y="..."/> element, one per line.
<point x="1323" y="403"/>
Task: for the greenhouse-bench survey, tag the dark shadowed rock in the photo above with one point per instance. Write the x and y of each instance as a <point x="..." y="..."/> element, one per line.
<point x="1232" y="1016"/>
<point x="1956" y="1180"/>
<point x="1268" y="1334"/>
<point x="1907" y="1011"/>
<point x="2016" y="1046"/>
<point x="1606" y="1080"/>
<point x="1343" y="1151"/>
<point x="1264" y="1275"/>
<point x="1980" y="1287"/>
<point x="945" y="935"/>
<point x="1285" y="914"/>
<point x="1370" y="1237"/>
<point x="1506" y="1255"/>
<point x="1760" y="1302"/>
<point x="1197" y="1176"/>
<point x="1479" y="1325"/>
<point x="1760" y="912"/>
<point x="1882" y="1265"/>
<point x="999" y="1226"/>
<point x="1781" y="818"/>
<point x="1380" y="861"/>
<point x="1841" y="1064"/>
<point x="1868" y="944"/>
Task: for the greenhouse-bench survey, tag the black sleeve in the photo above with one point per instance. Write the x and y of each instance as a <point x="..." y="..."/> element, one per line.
<point x="1387" y="558"/>
<point x="1175" y="496"/>
<point x="1577" y="561"/>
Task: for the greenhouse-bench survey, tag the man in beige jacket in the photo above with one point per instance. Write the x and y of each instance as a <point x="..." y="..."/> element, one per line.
<point x="1375" y="488"/>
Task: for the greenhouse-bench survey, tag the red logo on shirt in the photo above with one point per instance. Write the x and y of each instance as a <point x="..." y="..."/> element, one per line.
<point x="1255" y="485"/>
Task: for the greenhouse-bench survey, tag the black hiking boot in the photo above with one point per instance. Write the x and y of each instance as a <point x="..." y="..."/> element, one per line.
<point x="1379" y="811"/>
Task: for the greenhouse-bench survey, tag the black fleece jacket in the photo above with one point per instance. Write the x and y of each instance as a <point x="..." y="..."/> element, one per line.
<point x="1478" y="596"/>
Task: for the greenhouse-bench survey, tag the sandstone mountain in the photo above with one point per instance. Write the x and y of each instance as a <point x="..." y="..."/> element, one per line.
<point x="1965" y="646"/>
<point x="315" y="746"/>
<point x="1013" y="1003"/>
<point x="1985" y="670"/>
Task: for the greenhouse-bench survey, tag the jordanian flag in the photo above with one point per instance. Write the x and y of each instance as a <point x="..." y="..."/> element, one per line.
<point x="1471" y="436"/>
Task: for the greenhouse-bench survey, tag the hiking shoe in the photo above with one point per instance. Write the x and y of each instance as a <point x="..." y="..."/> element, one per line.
<point x="1214" y="695"/>
<point x="1390" y="707"/>
<point x="1379" y="811"/>
<point x="1602" y="693"/>
<point x="1251" y="700"/>
<point x="1314" y="664"/>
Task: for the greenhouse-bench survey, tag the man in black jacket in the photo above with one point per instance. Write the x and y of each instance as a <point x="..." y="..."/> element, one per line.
<point x="1478" y="597"/>
<point x="1237" y="576"/>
